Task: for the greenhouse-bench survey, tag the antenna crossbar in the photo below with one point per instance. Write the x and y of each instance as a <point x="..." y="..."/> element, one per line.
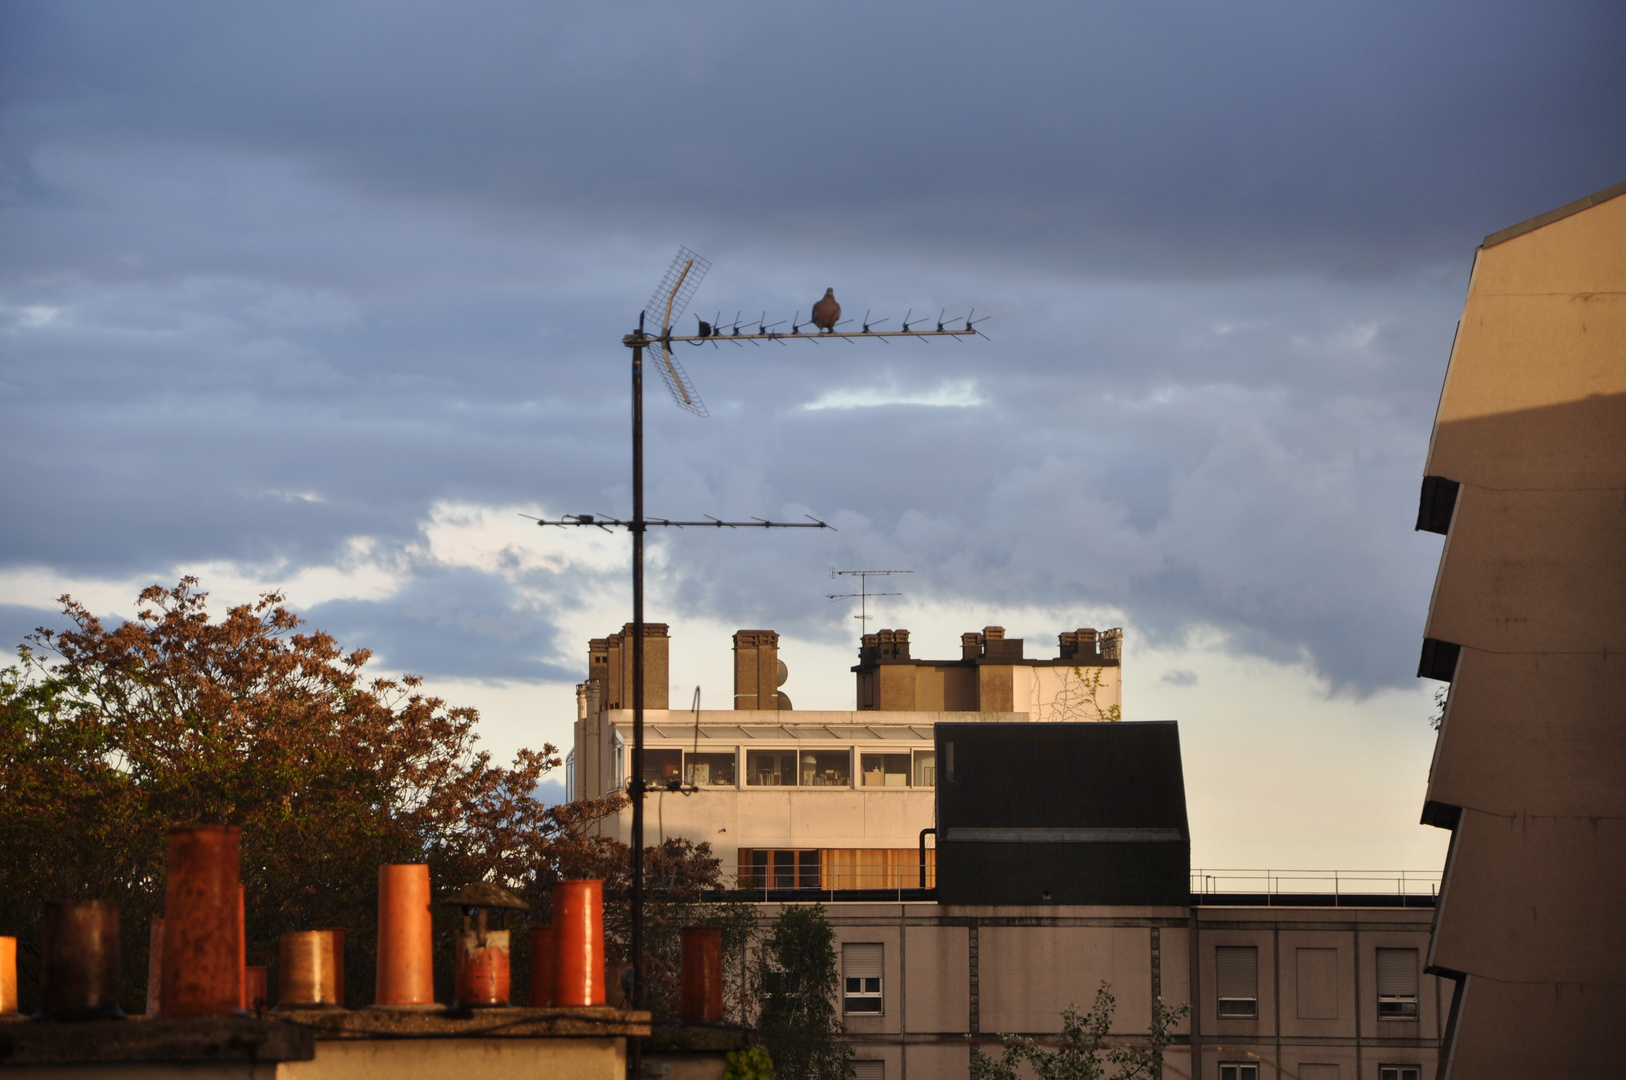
<point x="773" y="335"/>
<point x="863" y="594"/>
<point x="607" y="523"/>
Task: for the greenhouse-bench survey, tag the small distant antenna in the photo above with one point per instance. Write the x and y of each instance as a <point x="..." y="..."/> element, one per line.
<point x="863" y="594"/>
<point x="666" y="305"/>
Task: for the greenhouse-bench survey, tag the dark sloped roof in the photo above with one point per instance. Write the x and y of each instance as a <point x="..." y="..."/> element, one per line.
<point x="1060" y="776"/>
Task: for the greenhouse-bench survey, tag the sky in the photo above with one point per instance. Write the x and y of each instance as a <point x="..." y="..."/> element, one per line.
<point x="321" y="298"/>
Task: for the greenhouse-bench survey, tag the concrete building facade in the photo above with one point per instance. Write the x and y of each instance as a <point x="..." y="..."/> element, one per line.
<point x="1306" y="992"/>
<point x="1526" y="478"/>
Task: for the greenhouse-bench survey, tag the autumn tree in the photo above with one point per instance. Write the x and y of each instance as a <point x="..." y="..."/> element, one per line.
<point x="110" y="735"/>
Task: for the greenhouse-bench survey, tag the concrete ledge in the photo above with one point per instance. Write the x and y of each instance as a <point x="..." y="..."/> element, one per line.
<point x="597" y="1021"/>
<point x="697" y="1039"/>
<point x="179" y="1039"/>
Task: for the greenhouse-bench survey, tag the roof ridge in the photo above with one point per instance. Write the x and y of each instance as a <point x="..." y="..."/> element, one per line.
<point x="1540" y="220"/>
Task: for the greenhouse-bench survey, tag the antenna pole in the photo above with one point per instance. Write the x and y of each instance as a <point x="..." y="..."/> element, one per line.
<point x="635" y="783"/>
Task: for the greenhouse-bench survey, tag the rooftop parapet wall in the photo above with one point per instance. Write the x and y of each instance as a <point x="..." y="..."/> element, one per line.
<point x="993" y="673"/>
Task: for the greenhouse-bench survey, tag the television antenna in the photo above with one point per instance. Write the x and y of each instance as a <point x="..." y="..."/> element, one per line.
<point x="666" y="305"/>
<point x="863" y="594"/>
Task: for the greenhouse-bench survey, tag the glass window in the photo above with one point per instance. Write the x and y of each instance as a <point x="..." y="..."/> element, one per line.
<point x="826" y="768"/>
<point x="1236" y="977"/>
<point x="764" y="868"/>
<point x="770" y="768"/>
<point x="925" y="768"/>
<point x="709" y="770"/>
<point x="861" y="969"/>
<point x="663" y="766"/>
<point x="807" y="869"/>
<point x="884" y="770"/>
<point x="1397" y="984"/>
<point x="1400" y="1072"/>
<point x="1238" y="1070"/>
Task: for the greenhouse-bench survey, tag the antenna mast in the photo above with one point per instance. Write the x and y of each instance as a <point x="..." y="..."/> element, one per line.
<point x="670" y="299"/>
<point x="863" y="594"/>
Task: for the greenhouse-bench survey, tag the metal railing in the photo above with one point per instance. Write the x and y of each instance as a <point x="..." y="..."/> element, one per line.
<point x="1282" y="886"/>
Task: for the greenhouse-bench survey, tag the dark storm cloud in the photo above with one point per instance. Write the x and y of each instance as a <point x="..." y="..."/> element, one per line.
<point x="448" y="623"/>
<point x="1234" y="136"/>
<point x="277" y="278"/>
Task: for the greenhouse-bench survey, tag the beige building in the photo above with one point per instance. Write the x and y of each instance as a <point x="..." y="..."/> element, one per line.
<point x="818" y="799"/>
<point x="1526" y="477"/>
<point x="1295" y="989"/>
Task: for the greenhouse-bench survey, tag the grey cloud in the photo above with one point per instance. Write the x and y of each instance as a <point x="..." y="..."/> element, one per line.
<point x="276" y="278"/>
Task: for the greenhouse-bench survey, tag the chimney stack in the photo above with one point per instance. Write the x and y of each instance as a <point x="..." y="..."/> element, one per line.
<point x="756" y="670"/>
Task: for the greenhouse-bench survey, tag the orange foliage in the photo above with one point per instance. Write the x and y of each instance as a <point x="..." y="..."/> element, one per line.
<point x="110" y="736"/>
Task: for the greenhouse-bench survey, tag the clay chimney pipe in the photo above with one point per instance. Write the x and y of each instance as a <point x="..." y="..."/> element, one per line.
<point x="406" y="971"/>
<point x="254" y="979"/>
<point x="578" y="943"/>
<point x="483" y="976"/>
<point x="306" y="971"/>
<point x="242" y="949"/>
<point x="541" y="967"/>
<point x="155" y="967"/>
<point x="8" y="976"/>
<point x="202" y="962"/>
<point x="79" y="971"/>
<point x="701" y="1001"/>
<point x="337" y="934"/>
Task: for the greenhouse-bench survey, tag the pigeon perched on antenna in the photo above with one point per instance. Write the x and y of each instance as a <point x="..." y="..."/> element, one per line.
<point x="826" y="312"/>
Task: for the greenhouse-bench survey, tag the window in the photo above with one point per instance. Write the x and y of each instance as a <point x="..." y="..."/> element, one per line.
<point x="925" y="768"/>
<point x="1400" y="1072"/>
<point x="869" y="1070"/>
<point x="884" y="770"/>
<point x="662" y="766"/>
<point x="570" y="777"/>
<point x="1236" y="975"/>
<point x="709" y="770"/>
<point x="620" y="760"/>
<point x="826" y="768"/>
<point x="861" y="972"/>
<point x="1238" y="1070"/>
<point x="765" y="868"/>
<point x="1397" y="984"/>
<point x="770" y="768"/>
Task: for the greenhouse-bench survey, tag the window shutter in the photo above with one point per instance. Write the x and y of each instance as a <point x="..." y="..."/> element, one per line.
<point x="861" y="961"/>
<point x="1237" y="972"/>
<point x="869" y="1070"/>
<point x="1397" y="973"/>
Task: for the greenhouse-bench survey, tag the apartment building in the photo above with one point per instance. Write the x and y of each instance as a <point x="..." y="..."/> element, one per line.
<point x="818" y="799"/>
<point x="1526" y="479"/>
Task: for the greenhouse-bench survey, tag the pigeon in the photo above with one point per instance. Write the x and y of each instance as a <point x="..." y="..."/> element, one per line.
<point x="826" y="312"/>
